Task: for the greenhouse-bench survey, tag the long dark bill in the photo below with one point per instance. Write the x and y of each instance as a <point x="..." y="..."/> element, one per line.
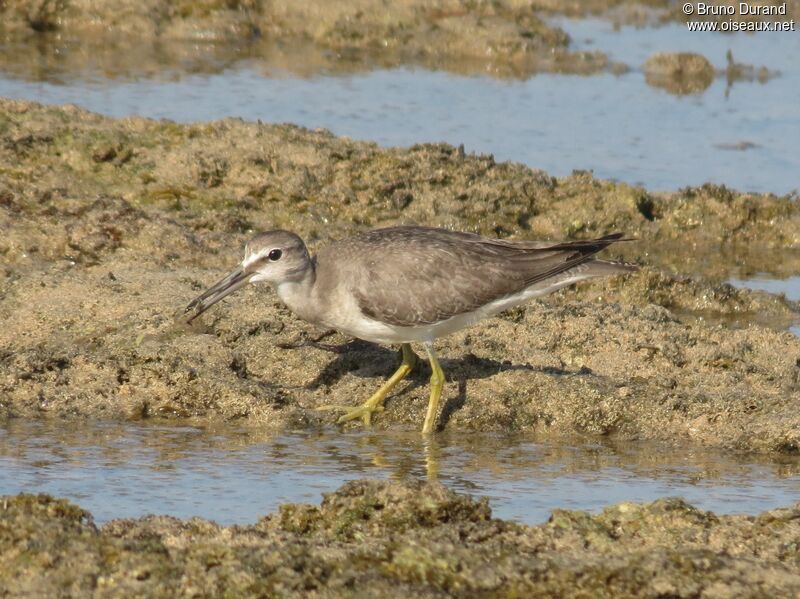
<point x="220" y="289"/>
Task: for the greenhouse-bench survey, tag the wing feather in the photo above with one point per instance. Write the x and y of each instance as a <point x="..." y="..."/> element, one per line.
<point x="412" y="276"/>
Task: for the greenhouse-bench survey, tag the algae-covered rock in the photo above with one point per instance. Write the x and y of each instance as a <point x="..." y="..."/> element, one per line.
<point x="112" y="226"/>
<point x="134" y="38"/>
<point x="503" y="37"/>
<point x="396" y="540"/>
<point x="679" y="72"/>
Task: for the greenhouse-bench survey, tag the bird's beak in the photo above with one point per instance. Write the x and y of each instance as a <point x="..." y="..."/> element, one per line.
<point x="220" y="289"/>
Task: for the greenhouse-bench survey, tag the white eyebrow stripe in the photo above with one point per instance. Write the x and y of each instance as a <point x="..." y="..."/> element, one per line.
<point x="253" y="258"/>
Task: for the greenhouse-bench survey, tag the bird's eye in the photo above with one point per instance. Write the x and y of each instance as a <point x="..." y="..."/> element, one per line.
<point x="275" y="255"/>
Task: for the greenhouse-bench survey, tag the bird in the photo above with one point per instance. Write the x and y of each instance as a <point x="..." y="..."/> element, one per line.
<point x="408" y="284"/>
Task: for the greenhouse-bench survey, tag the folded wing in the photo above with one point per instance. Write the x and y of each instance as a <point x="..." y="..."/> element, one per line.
<point x="439" y="274"/>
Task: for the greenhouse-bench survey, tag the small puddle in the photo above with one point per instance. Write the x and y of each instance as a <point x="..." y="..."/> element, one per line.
<point x="235" y="475"/>
<point x="789" y="286"/>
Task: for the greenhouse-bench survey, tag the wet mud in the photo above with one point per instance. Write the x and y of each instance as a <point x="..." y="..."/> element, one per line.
<point x="111" y="226"/>
<point x="397" y="540"/>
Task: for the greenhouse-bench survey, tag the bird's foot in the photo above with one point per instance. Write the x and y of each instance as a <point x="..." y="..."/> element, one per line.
<point x="375" y="403"/>
<point x="363" y="412"/>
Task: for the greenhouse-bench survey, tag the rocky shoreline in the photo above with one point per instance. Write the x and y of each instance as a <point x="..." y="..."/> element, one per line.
<point x="397" y="540"/>
<point x="160" y="38"/>
<point x="111" y="226"/>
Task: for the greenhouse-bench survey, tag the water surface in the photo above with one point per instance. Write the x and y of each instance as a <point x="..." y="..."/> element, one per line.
<point x="789" y="287"/>
<point x="235" y="475"/>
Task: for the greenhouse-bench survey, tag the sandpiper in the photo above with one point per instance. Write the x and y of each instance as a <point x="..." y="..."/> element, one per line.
<point x="408" y="284"/>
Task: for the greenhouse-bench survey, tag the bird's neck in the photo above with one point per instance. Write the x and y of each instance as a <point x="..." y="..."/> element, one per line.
<point x="297" y="294"/>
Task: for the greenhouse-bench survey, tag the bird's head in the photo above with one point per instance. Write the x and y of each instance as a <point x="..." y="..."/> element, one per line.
<point x="274" y="256"/>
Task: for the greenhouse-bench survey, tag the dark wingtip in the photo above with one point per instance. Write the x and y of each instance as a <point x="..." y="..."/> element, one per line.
<point x="618" y="236"/>
<point x="592" y="245"/>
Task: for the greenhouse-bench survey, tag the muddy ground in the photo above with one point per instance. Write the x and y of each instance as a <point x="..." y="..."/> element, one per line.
<point x="399" y="540"/>
<point x="111" y="226"/>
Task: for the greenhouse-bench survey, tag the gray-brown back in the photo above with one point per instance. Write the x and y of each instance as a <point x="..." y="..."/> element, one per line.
<point x="412" y="276"/>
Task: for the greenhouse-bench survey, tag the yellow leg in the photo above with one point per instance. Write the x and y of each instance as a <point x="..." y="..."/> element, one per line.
<point x="437" y="382"/>
<point x="375" y="403"/>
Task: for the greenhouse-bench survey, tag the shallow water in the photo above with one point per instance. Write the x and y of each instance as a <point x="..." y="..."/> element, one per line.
<point x="616" y="125"/>
<point x="234" y="475"/>
<point x="790" y="286"/>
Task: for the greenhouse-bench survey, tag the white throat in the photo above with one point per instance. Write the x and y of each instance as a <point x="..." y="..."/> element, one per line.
<point x="297" y="296"/>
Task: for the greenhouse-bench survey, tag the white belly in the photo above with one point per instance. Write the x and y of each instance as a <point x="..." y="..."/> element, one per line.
<point x="353" y="322"/>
